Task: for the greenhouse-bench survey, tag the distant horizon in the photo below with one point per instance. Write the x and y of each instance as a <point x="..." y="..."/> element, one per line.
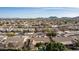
<point x="38" y="12"/>
<point x="40" y="17"/>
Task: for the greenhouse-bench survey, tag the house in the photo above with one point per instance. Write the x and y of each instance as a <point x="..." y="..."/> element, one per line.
<point x="64" y="40"/>
<point x="16" y="42"/>
<point x="71" y="33"/>
<point x="3" y="42"/>
<point x="38" y="39"/>
<point x="55" y="26"/>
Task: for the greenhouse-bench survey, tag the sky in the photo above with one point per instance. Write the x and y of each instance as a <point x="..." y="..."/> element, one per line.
<point x="34" y="12"/>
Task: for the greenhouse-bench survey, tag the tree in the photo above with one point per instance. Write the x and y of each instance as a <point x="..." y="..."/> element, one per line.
<point x="51" y="34"/>
<point x="26" y="45"/>
<point x="76" y="44"/>
<point x="11" y="34"/>
<point x="40" y="46"/>
<point x="52" y="46"/>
